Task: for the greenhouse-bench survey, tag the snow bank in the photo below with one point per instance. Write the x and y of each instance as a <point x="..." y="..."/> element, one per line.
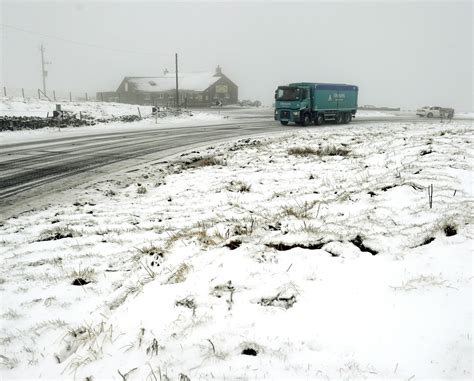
<point x="34" y="107"/>
<point x="313" y="254"/>
<point x="102" y="110"/>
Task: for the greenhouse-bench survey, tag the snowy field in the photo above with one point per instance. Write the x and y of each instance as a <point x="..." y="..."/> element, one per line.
<point x="102" y="110"/>
<point x="12" y="106"/>
<point x="313" y="254"/>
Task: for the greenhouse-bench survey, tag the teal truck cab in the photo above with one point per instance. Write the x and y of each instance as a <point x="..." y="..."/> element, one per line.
<point x="306" y="102"/>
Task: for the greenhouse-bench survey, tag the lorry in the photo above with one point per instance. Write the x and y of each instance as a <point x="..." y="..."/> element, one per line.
<point x="435" y="112"/>
<point x="308" y="102"/>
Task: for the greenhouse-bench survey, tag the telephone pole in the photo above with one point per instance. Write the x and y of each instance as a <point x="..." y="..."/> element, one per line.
<point x="44" y="72"/>
<point x="177" y="91"/>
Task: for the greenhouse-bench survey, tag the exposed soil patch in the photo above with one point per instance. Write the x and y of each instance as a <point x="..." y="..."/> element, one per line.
<point x="284" y="247"/>
<point x="427" y="241"/>
<point x="234" y="244"/>
<point x="279" y="301"/>
<point x="357" y="241"/>
<point x="450" y="230"/>
<point x="80" y="282"/>
<point x="386" y="188"/>
<point x="249" y="352"/>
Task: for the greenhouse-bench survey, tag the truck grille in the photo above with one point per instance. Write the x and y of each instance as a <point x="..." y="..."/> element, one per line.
<point x="284" y="115"/>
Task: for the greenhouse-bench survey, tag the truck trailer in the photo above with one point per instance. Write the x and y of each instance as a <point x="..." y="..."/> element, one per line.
<point x="307" y="102"/>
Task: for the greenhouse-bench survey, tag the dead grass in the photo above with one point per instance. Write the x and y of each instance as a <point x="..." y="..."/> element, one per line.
<point x="299" y="210"/>
<point x="59" y="232"/>
<point x="205" y="161"/>
<point x="11" y="314"/>
<point x="199" y="233"/>
<point x="179" y="274"/>
<point x="83" y="276"/>
<point x="302" y="151"/>
<point x="238" y="186"/>
<point x="332" y="151"/>
<point x="422" y="282"/>
<point x="326" y="151"/>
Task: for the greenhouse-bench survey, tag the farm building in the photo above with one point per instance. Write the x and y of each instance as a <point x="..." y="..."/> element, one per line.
<point x="200" y="89"/>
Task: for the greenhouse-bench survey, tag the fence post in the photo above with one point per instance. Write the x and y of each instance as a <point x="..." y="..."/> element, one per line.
<point x="39" y="94"/>
<point x="86" y="97"/>
<point x="54" y="94"/>
<point x="70" y="97"/>
<point x="23" y="92"/>
<point x="5" y="90"/>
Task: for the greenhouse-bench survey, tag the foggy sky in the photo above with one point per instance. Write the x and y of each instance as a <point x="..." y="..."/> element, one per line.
<point x="399" y="53"/>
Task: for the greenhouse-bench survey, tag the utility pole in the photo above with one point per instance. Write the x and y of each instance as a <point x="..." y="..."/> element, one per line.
<point x="177" y="91"/>
<point x="44" y="72"/>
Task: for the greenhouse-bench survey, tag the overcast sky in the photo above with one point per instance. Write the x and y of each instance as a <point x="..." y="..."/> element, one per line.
<point x="399" y="53"/>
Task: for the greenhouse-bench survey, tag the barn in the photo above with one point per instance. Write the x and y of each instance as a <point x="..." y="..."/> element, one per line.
<point x="196" y="89"/>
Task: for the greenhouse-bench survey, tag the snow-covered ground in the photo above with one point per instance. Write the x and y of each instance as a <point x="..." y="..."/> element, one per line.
<point x="311" y="254"/>
<point x="12" y="106"/>
<point x="102" y="110"/>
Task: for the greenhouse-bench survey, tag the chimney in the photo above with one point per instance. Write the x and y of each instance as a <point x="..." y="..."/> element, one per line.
<point x="218" y="70"/>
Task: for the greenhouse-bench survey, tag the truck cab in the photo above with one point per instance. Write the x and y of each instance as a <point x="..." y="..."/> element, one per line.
<point x="293" y="104"/>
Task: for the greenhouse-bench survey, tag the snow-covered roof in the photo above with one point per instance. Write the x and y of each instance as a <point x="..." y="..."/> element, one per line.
<point x="186" y="81"/>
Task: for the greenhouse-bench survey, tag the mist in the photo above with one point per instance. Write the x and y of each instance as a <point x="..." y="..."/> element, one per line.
<point x="400" y="53"/>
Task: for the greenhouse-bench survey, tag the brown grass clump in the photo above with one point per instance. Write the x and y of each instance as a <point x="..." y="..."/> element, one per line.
<point x="302" y="151"/>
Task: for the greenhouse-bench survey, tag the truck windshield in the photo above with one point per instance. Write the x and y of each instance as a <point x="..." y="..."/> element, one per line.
<point x="288" y="94"/>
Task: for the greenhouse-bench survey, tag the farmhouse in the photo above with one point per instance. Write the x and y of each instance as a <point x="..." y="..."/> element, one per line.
<point x="200" y="89"/>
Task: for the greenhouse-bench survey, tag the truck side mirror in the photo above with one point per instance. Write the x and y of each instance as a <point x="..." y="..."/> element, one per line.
<point x="275" y="95"/>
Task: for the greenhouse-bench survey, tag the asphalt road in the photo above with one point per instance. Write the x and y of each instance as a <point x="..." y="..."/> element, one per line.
<point x="30" y="170"/>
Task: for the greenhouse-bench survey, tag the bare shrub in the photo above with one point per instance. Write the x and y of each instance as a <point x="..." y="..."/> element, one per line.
<point x="141" y="190"/>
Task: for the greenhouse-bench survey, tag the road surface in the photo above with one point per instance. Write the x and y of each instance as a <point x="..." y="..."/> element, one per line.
<point x="36" y="168"/>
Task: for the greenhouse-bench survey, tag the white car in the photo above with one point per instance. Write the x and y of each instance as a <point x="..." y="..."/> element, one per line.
<point x="435" y="112"/>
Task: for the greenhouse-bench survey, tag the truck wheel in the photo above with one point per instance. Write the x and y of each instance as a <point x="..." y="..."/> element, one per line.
<point x="347" y="117"/>
<point x="320" y="119"/>
<point x="306" y="119"/>
<point x="338" y="118"/>
<point x="430" y="115"/>
<point x="284" y="122"/>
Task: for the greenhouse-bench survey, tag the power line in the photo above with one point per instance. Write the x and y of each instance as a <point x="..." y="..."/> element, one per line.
<point x="78" y="42"/>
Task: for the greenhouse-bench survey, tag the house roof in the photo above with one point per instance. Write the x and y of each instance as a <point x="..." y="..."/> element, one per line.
<point x="186" y="81"/>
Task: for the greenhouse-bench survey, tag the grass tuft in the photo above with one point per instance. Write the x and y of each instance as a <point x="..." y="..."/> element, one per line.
<point x="238" y="186"/>
<point x="302" y="151"/>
